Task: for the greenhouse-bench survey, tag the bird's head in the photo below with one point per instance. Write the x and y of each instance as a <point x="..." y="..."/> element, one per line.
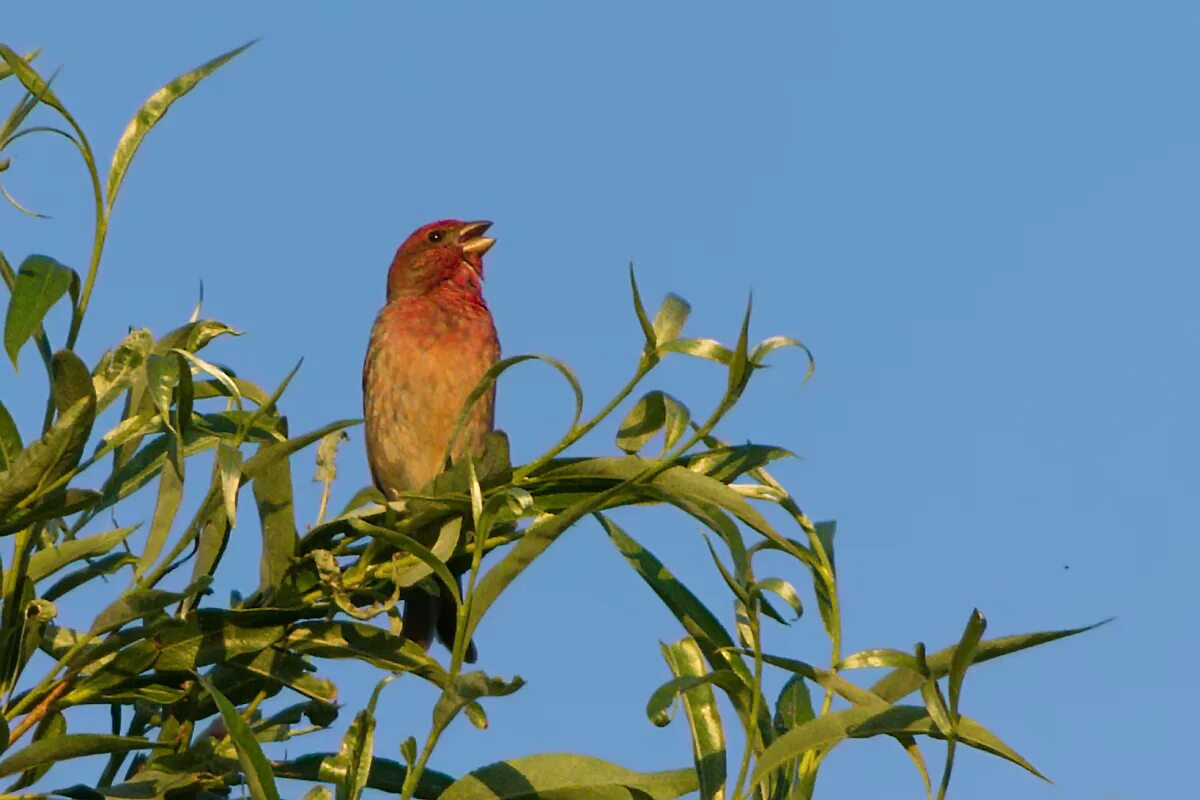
<point x="447" y="250"/>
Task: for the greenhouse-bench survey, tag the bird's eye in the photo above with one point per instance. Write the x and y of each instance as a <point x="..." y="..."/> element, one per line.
<point x="435" y="236"/>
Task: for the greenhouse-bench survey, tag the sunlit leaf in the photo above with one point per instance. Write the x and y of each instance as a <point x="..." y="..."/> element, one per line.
<point x="41" y="282"/>
<point x="704" y="718"/>
<point x="150" y="113"/>
<point x="257" y="770"/>
<point x="569" y="777"/>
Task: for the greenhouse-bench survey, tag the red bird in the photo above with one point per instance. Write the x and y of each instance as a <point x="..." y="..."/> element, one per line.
<point x="431" y="344"/>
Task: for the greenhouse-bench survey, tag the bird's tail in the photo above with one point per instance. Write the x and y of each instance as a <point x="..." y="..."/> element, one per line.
<point x="426" y="616"/>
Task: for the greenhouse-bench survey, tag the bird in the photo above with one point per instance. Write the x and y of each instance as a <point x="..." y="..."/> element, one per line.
<point x="430" y="345"/>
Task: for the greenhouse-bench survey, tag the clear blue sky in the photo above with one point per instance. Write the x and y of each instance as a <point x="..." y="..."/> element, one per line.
<point x="981" y="218"/>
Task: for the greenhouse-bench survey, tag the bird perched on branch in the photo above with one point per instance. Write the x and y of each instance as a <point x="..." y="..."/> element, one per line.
<point x="430" y="345"/>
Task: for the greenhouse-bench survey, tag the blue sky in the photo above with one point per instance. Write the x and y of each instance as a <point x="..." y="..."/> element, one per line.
<point x="981" y="218"/>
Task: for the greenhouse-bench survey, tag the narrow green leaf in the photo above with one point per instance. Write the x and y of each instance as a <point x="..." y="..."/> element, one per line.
<point x="269" y="454"/>
<point x="162" y="376"/>
<point x="700" y="623"/>
<point x="72" y="745"/>
<point x="468" y="688"/>
<point x="704" y="718"/>
<point x="166" y="506"/>
<point x="49" y="458"/>
<point x="385" y="775"/>
<point x="671" y="317"/>
<point x="10" y="439"/>
<point x="6" y="71"/>
<point x="107" y="565"/>
<point x="70" y="380"/>
<point x="52" y="726"/>
<point x="653" y="412"/>
<point x="640" y="310"/>
<point x="118" y="367"/>
<point x="708" y="349"/>
<point x="363" y="642"/>
<point x="436" y="564"/>
<point x="901" y="682"/>
<point x="255" y="767"/>
<point x="828" y="730"/>
<point x="41" y="282"/>
<point x="46" y="562"/>
<point x="30" y="79"/>
<point x="55" y="505"/>
<point x="880" y="657"/>
<point x="351" y="768"/>
<point x="569" y="777"/>
<point x="229" y="462"/>
<point x="140" y="603"/>
<point x="964" y="655"/>
<point x="783" y="589"/>
<point x="273" y="500"/>
<point x="150" y="113"/>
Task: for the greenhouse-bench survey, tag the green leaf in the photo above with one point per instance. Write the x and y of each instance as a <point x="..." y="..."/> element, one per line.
<point x="903" y="681"/>
<point x="569" y="777"/>
<point x="784" y="590"/>
<point x="47" y="459"/>
<point x="792" y="709"/>
<point x="708" y="349"/>
<point x="46" y="562"/>
<point x="290" y="670"/>
<point x="41" y="282"/>
<point x="101" y="566"/>
<point x="229" y="463"/>
<point x="770" y="344"/>
<point x="466" y="689"/>
<point x="55" y="505"/>
<point x="964" y="655"/>
<point x="150" y="113"/>
<point x="6" y="71"/>
<point x="255" y="767"/>
<point x="881" y="657"/>
<point x="725" y="463"/>
<point x="10" y="438"/>
<point x="269" y="454"/>
<point x="412" y="547"/>
<point x="700" y="623"/>
<point x="670" y="319"/>
<point x="830" y="729"/>
<point x="70" y="380"/>
<point x="704" y="718"/>
<point x="162" y="376"/>
<point x="640" y="310"/>
<point x="351" y="767"/>
<point x="385" y="775"/>
<point x="73" y="745"/>
<point x="653" y="412"/>
<point x="139" y="603"/>
<point x="277" y="518"/>
<point x="166" y="506"/>
<point x="363" y="642"/>
<point x="794" y="706"/>
<point x="119" y="367"/>
<point x="30" y="79"/>
<point x="52" y="726"/>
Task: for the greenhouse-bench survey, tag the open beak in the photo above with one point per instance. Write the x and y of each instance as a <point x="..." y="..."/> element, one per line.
<point x="472" y="240"/>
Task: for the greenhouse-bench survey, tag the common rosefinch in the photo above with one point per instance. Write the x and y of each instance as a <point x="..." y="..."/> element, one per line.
<point x="431" y="344"/>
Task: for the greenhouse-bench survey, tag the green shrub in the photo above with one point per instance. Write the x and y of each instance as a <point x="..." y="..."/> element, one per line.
<point x="195" y="689"/>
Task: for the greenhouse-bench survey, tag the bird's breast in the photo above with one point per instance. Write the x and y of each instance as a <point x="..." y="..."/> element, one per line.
<point x="423" y="361"/>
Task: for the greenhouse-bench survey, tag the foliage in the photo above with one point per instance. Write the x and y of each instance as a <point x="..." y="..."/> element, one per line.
<point x="199" y="693"/>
